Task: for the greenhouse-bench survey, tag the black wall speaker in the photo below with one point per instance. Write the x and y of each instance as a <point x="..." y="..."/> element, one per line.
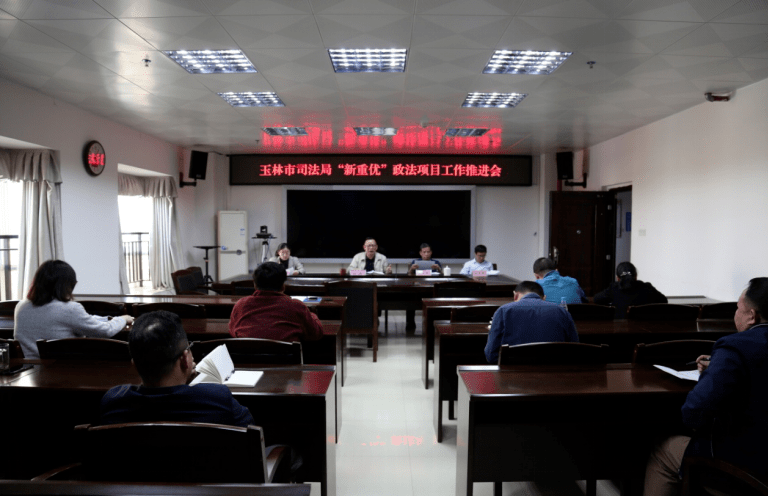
<point x="565" y="165"/>
<point x="198" y="162"/>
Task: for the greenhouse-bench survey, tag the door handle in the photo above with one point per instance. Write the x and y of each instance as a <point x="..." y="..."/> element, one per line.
<point x="555" y="255"/>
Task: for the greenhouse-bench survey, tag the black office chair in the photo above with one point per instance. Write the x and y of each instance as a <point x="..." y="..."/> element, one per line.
<point x="553" y="354"/>
<point x="104" y="308"/>
<point x="183" y="310"/>
<point x="361" y="314"/>
<point x="185" y="283"/>
<point x="724" y="310"/>
<point x="84" y="349"/>
<point x="673" y="353"/>
<point x="662" y="311"/>
<point x="8" y="307"/>
<point x="473" y="313"/>
<point x="701" y="474"/>
<point x="588" y="311"/>
<point x="252" y="351"/>
<point x="138" y="452"/>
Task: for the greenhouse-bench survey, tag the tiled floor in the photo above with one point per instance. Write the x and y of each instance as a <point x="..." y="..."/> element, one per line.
<point x="387" y="442"/>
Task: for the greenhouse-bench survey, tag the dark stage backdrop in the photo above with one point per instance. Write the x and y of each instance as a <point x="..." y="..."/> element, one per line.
<point x="335" y="223"/>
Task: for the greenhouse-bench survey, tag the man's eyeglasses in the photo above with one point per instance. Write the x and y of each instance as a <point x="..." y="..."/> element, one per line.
<point x="189" y="346"/>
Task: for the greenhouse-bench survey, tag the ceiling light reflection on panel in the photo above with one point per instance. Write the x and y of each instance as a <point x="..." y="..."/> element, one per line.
<point x="285" y="131"/>
<point x="211" y="61"/>
<point x="368" y="59"/>
<point x="493" y="100"/>
<point x="466" y="132"/>
<point x="525" y="62"/>
<point x="253" y="99"/>
<point x="376" y="131"/>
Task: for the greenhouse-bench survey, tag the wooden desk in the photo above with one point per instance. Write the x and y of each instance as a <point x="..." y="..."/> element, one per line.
<point x="294" y="405"/>
<point x="80" y="488"/>
<point x="464" y="344"/>
<point x="571" y="423"/>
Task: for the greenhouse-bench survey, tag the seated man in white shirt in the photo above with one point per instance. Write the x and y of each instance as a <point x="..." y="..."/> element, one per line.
<point x="369" y="260"/>
<point x="477" y="263"/>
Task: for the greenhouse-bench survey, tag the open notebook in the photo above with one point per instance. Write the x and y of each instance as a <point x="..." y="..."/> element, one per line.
<point x="217" y="367"/>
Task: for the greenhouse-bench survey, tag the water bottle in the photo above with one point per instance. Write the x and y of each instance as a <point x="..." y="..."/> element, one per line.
<point x="563" y="304"/>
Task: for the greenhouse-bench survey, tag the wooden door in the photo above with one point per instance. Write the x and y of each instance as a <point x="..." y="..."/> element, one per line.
<point x="581" y="237"/>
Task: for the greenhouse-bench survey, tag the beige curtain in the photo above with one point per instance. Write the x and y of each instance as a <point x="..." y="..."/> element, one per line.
<point x="164" y="240"/>
<point x="40" y="236"/>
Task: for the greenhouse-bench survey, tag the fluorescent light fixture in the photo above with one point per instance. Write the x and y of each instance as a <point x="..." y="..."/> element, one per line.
<point x="493" y="100"/>
<point x="375" y="131"/>
<point x="211" y="61"/>
<point x="285" y="131"/>
<point x="464" y="132"/>
<point x="253" y="99"/>
<point x="368" y="59"/>
<point x="525" y="62"/>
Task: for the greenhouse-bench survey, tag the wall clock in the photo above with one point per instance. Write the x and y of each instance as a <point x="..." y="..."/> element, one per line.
<point x="94" y="158"/>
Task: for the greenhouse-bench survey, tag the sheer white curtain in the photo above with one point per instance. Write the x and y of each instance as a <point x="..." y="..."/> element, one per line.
<point x="164" y="240"/>
<point x="40" y="235"/>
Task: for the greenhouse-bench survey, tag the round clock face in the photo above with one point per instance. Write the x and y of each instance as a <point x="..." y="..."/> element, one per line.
<point x="94" y="158"/>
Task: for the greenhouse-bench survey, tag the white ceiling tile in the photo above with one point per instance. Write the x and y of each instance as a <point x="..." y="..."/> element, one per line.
<point x="333" y="7"/>
<point x="262" y="7"/>
<point x="92" y="35"/>
<point x="464" y="7"/>
<point x="154" y="8"/>
<point x="19" y="37"/>
<point x="357" y="31"/>
<point x="592" y="9"/>
<point x="65" y="9"/>
<point x="745" y="12"/>
<point x="664" y="10"/>
<point x="132" y="63"/>
<point x="15" y="7"/>
<point x="274" y="31"/>
<point x="458" y="31"/>
<point x="182" y="33"/>
<point x="221" y="83"/>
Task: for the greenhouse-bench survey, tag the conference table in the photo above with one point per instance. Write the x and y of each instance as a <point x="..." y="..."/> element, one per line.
<point x="529" y="424"/>
<point x="295" y="405"/>
<point x="464" y="343"/>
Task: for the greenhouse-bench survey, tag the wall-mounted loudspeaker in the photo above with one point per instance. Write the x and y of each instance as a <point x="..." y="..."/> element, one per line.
<point x="198" y="162"/>
<point x="565" y="165"/>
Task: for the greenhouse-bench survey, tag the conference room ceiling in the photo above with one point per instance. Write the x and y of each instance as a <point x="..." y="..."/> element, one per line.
<point x="652" y="59"/>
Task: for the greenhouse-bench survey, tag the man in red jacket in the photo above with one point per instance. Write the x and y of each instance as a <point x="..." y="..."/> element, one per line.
<point x="271" y="314"/>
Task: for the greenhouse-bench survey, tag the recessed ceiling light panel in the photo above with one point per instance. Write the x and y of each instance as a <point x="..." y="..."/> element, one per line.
<point x="464" y="132"/>
<point x="493" y="100"/>
<point x="211" y="61"/>
<point x="253" y="99"/>
<point x="525" y="62"/>
<point x="285" y="131"/>
<point x="368" y="59"/>
<point x="375" y="131"/>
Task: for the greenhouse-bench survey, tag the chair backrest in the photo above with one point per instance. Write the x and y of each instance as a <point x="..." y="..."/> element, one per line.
<point x="662" y="311"/>
<point x="197" y="275"/>
<point x="14" y="347"/>
<point x="245" y="287"/>
<point x="104" y="308"/>
<point x="458" y="289"/>
<point x="150" y="452"/>
<point x="361" y="309"/>
<point x="83" y="349"/>
<point x="183" y="310"/>
<point x="7" y="307"/>
<point x="586" y="311"/>
<point x="703" y="474"/>
<point x="672" y="352"/>
<point x="724" y="310"/>
<point x="253" y="351"/>
<point x="473" y="313"/>
<point x="553" y="354"/>
<point x="183" y="281"/>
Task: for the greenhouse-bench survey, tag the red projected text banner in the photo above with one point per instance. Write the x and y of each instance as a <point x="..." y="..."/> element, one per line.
<point x="487" y="170"/>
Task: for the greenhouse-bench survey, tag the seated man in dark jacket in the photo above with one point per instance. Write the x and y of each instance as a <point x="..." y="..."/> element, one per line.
<point x="628" y="291"/>
<point x="728" y="408"/>
<point x="161" y="353"/>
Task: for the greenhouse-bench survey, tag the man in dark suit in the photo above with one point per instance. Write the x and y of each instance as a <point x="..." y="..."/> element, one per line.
<point x="728" y="408"/>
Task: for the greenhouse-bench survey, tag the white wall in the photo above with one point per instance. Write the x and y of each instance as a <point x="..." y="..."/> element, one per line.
<point x="89" y="204"/>
<point x="699" y="194"/>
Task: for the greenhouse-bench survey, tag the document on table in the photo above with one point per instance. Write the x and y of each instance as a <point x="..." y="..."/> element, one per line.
<point x="689" y="375"/>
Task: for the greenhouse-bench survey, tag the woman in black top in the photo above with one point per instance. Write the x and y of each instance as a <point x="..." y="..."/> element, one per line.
<point x="628" y="291"/>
